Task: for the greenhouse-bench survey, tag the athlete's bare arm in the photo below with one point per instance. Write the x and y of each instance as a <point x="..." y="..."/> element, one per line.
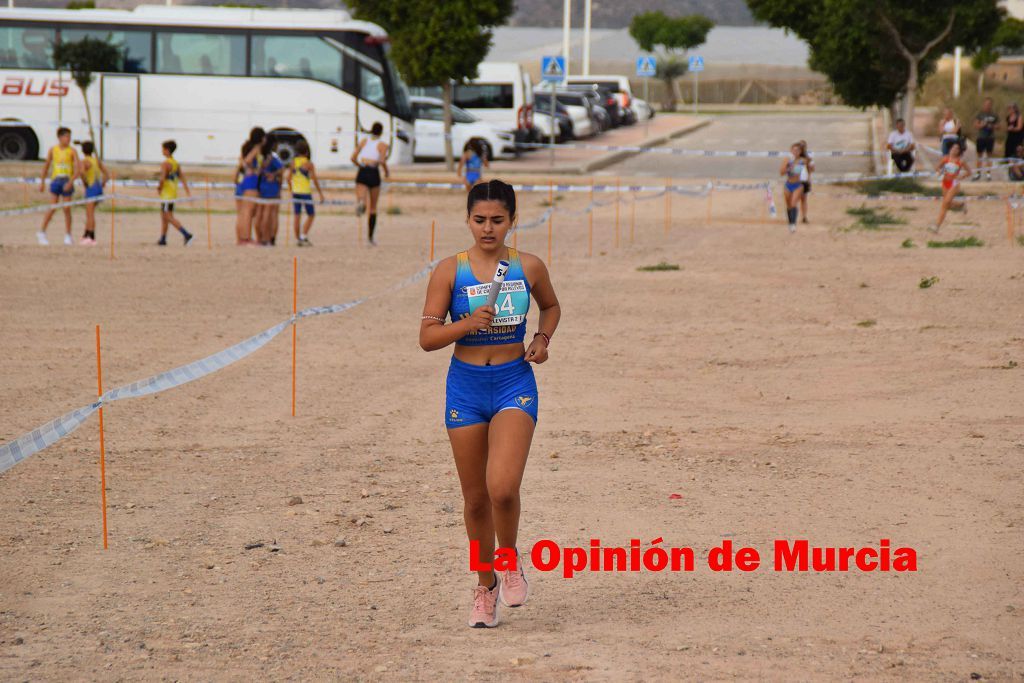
<point x="46" y="170"/>
<point x="165" y="168"/>
<point x="311" y="170"/>
<point x="550" y="311"/>
<point x="184" y="183"/>
<point x="434" y="334"/>
<point x="383" y="149"/>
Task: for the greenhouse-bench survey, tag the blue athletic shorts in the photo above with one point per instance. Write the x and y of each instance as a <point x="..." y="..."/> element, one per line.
<point x="270" y="190"/>
<point x="249" y="182"/>
<point x="793" y="187"/>
<point x="476" y="393"/>
<point x="303" y="201"/>
<point x="61" y="187"/>
<point x="94" y="190"/>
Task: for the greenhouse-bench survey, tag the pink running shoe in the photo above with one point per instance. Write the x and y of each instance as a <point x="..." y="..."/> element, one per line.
<point x="515" y="589"/>
<point x="485" y="606"/>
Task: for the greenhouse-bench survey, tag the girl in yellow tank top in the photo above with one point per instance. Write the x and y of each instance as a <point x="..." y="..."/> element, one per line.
<point x="94" y="176"/>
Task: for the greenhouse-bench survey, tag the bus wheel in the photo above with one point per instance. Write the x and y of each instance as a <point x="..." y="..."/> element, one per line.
<point x="18" y="144"/>
<point x="286" y="140"/>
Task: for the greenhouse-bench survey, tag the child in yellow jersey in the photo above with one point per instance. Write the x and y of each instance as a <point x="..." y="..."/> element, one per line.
<point x="170" y="174"/>
<point x="62" y="169"/>
<point x="301" y="173"/>
<point x="94" y="176"/>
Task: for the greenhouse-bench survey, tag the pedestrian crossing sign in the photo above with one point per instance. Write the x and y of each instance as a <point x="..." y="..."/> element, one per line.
<point x="646" y="66"/>
<point x="696" y="63"/>
<point x="552" y="69"/>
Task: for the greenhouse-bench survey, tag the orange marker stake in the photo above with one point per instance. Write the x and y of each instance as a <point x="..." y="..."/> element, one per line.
<point x="295" y="324"/>
<point x="112" y="191"/>
<point x="711" y="192"/>
<point x="551" y="216"/>
<point x="433" y="226"/>
<point x="103" y="451"/>
<point x="668" y="204"/>
<point x="590" y="222"/>
<point x="617" y="202"/>
<point x="632" y="220"/>
<point x="209" y="237"/>
<point x="1009" y="221"/>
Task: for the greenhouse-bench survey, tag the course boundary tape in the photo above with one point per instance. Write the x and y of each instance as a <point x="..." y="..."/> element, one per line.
<point x="47" y="434"/>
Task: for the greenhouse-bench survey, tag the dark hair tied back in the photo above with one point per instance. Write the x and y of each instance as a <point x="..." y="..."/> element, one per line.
<point x="493" y="190"/>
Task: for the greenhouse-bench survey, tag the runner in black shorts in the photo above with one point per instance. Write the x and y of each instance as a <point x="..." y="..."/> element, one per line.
<point x="370" y="156"/>
<point x="986" y="123"/>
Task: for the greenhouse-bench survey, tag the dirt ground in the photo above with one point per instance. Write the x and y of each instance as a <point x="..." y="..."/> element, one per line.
<point x="785" y="386"/>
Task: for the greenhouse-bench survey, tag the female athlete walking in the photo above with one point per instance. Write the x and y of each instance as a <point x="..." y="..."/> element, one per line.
<point x="953" y="168"/>
<point x="250" y="163"/>
<point x="94" y="176"/>
<point x="793" y="168"/>
<point x="371" y="153"/>
<point x="473" y="161"/>
<point x="491" y="396"/>
<point x="805" y="179"/>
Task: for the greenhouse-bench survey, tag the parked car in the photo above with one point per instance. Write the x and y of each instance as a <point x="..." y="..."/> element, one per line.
<point x="429" y="129"/>
<point x="618" y="85"/>
<point x="607" y="99"/>
<point x="643" y="110"/>
<point x="597" y="110"/>
<point x="583" y="126"/>
<point x="566" y="129"/>
<point x="502" y="95"/>
<point x="578" y="101"/>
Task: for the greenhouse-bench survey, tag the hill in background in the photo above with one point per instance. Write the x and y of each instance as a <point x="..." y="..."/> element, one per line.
<point x="616" y="14"/>
<point x="606" y="13"/>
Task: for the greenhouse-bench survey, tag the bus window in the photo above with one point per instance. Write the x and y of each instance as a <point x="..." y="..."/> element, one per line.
<point x="216" y="54"/>
<point x="27" y="48"/>
<point x="136" y="45"/>
<point x="485" y="96"/>
<point x="371" y="88"/>
<point x="296" y="57"/>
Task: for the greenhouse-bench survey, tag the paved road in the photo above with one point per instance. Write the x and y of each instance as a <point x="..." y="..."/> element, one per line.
<point x="765" y="131"/>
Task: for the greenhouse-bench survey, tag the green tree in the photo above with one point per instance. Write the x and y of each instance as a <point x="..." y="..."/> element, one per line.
<point x="674" y="35"/>
<point x="437" y="41"/>
<point x="878" y="52"/>
<point x="84" y="58"/>
<point x="1009" y="37"/>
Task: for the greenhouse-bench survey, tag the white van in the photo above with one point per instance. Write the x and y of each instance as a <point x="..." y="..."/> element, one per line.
<point x="502" y="95"/>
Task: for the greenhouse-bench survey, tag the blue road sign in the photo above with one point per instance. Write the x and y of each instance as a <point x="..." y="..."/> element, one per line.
<point x="552" y="69"/>
<point x="696" y="63"/>
<point x="646" y="66"/>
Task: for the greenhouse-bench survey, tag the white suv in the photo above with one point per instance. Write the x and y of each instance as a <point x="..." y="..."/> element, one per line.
<point x="429" y="115"/>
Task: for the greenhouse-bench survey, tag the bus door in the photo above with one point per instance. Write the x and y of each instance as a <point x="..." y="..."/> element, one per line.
<point x="119" y="117"/>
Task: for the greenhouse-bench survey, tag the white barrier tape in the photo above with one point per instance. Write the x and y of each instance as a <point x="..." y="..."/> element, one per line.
<point x="39" y="208"/>
<point x="918" y="197"/>
<point x="22" y="447"/>
<point x="696" y="152"/>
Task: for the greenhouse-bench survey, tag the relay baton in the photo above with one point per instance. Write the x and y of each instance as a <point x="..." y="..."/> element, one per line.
<point x="499" y="278"/>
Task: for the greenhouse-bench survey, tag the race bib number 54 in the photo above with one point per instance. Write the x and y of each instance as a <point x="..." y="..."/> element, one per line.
<point x="511" y="306"/>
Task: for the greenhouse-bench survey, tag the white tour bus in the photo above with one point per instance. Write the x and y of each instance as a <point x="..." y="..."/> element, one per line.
<point x="203" y="76"/>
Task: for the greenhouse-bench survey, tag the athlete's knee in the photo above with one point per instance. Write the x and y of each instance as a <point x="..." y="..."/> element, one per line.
<point x="503" y="496"/>
<point x="476" y="503"/>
